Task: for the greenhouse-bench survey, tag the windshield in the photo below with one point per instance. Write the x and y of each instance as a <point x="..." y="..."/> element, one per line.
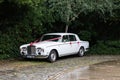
<point x="51" y="38"/>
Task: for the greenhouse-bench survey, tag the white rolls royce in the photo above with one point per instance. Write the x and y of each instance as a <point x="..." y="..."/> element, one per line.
<point x="54" y="45"/>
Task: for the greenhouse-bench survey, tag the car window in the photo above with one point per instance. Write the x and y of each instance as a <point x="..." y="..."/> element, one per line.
<point x="51" y="38"/>
<point x="65" y="38"/>
<point x="72" y="38"/>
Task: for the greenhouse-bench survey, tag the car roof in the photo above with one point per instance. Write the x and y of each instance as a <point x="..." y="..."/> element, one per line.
<point x="60" y="34"/>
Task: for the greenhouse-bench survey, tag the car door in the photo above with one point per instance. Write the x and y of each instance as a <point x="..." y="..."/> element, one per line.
<point x="66" y="46"/>
<point x="73" y="43"/>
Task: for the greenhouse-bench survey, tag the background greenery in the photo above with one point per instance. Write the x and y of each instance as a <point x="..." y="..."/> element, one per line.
<point x="23" y="21"/>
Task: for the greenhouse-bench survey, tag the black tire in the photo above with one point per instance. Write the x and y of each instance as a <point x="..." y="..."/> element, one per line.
<point x="81" y="52"/>
<point x="53" y="56"/>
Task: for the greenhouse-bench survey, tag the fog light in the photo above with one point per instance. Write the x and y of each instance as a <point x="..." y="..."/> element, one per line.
<point x="39" y="53"/>
<point x="23" y="53"/>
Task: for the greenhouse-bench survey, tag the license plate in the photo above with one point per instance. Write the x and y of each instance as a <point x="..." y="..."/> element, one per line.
<point x="30" y="56"/>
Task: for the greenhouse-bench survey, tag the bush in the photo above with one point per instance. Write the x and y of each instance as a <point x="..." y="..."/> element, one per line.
<point x="106" y="47"/>
<point x="19" y="24"/>
<point x="13" y="38"/>
<point x="85" y="35"/>
<point x="8" y="47"/>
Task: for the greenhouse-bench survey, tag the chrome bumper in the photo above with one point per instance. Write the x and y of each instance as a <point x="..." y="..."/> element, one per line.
<point x="34" y="56"/>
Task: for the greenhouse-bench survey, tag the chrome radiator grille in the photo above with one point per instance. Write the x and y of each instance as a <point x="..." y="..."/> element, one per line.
<point x="31" y="50"/>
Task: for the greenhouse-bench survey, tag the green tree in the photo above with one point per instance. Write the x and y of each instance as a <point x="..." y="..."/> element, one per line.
<point x="68" y="10"/>
<point x="20" y="22"/>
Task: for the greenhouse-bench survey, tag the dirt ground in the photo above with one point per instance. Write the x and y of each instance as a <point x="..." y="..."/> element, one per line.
<point x="43" y="70"/>
<point x="108" y="70"/>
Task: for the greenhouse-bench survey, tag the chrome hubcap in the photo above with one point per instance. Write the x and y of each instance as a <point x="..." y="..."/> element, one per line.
<point x="81" y="52"/>
<point x="53" y="56"/>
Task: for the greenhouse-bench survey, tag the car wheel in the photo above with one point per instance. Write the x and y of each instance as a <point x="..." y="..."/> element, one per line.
<point x="53" y="56"/>
<point x="81" y="52"/>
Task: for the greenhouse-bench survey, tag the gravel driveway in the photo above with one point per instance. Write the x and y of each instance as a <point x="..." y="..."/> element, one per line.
<point x="43" y="70"/>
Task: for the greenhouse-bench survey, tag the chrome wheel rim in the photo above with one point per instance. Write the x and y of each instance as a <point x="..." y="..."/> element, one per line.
<point x="53" y="56"/>
<point x="81" y="52"/>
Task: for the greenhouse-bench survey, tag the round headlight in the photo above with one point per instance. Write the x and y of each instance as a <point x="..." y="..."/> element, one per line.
<point x="24" y="49"/>
<point x="40" y="50"/>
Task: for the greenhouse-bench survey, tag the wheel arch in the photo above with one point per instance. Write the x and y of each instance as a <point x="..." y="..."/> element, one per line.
<point x="56" y="52"/>
<point x="82" y="47"/>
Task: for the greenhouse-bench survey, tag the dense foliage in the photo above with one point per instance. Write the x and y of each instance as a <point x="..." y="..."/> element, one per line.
<point x="23" y="21"/>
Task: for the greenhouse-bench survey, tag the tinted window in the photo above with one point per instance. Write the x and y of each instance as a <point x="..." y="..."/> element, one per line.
<point x="72" y="38"/>
<point x="65" y="38"/>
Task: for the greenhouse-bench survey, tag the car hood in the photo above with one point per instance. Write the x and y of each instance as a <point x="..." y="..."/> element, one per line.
<point x="42" y="44"/>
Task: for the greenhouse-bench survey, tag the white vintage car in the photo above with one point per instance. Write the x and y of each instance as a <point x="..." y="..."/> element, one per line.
<point x="54" y="45"/>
